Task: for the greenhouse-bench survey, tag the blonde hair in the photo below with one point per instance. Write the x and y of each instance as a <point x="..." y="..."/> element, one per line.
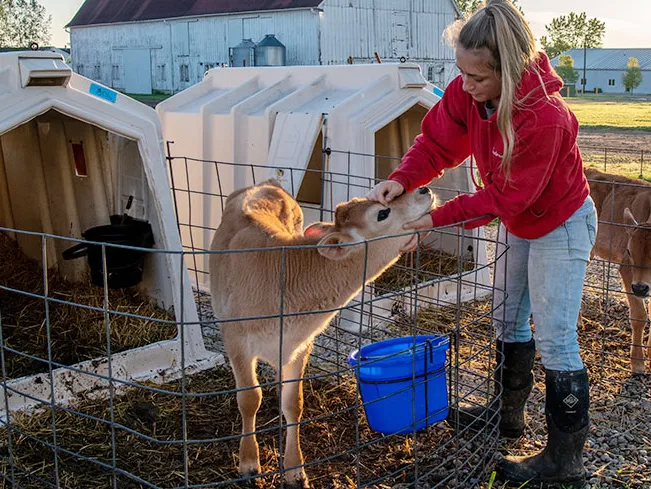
<point x="500" y="27"/>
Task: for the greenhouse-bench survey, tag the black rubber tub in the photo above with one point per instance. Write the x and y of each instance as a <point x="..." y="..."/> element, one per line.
<point x="124" y="267"/>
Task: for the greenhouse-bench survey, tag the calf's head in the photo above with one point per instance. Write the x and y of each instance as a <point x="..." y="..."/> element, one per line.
<point x="638" y="252"/>
<point x="362" y="219"/>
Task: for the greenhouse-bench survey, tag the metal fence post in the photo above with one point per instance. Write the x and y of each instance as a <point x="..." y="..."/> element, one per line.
<point x="641" y="163"/>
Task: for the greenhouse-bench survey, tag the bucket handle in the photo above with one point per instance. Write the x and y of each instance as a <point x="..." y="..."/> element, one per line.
<point x="76" y="251"/>
<point x="428" y="343"/>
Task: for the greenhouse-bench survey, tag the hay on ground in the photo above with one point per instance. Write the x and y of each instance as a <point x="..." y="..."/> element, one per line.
<point x="333" y="424"/>
<point x="76" y="333"/>
<point x="431" y="264"/>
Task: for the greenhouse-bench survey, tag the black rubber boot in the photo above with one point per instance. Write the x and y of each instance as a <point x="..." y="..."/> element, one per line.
<point x="516" y="377"/>
<point x="560" y="464"/>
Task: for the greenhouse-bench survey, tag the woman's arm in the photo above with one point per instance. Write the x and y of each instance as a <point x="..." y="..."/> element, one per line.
<point x="444" y="142"/>
<point x="537" y="155"/>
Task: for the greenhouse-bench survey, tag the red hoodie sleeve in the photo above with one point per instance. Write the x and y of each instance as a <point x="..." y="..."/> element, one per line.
<point x="534" y="160"/>
<point x="444" y="142"/>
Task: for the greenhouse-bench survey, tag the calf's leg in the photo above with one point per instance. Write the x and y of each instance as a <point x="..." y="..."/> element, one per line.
<point x="249" y="398"/>
<point x="292" y="405"/>
<point x="648" y="346"/>
<point x="638" y="315"/>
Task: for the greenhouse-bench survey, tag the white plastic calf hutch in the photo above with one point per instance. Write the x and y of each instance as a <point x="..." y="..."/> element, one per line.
<point x="282" y="119"/>
<point x="71" y="153"/>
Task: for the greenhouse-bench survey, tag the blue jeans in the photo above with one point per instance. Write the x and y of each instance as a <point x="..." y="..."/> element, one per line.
<point x="544" y="277"/>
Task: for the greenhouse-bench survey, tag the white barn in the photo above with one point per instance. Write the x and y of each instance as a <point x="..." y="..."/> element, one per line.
<point x="604" y="68"/>
<point x="149" y="45"/>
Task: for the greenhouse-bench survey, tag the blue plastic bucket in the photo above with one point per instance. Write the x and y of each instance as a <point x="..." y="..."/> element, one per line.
<point x="403" y="387"/>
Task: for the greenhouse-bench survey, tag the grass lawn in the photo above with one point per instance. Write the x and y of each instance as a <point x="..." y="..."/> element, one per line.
<point x="152" y="100"/>
<point x="153" y="96"/>
<point x="593" y="114"/>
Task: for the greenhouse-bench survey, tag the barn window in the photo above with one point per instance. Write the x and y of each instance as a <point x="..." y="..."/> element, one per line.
<point x="185" y="73"/>
<point x="611" y="82"/>
<point x="435" y="73"/>
<point x="161" y="74"/>
<point x="115" y="72"/>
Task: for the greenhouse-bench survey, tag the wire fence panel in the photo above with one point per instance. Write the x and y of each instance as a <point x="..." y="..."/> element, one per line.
<point x="186" y="432"/>
<point x="629" y="162"/>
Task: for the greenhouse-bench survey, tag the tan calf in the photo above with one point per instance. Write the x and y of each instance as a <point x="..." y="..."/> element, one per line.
<point x="624" y="237"/>
<point x="281" y="283"/>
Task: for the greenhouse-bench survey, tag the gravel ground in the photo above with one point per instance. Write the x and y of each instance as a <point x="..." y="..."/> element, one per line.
<point x="618" y="450"/>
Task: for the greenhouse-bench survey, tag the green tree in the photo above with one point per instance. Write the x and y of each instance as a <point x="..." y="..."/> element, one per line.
<point x="4" y="23"/>
<point x="565" y="69"/>
<point x="469" y="6"/>
<point x="23" y="22"/>
<point x="632" y="77"/>
<point x="572" y="31"/>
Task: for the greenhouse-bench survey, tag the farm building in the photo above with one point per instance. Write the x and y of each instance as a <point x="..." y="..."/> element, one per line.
<point x="604" y="68"/>
<point x="140" y="47"/>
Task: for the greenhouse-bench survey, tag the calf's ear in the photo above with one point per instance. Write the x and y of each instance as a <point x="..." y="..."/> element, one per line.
<point x="629" y="220"/>
<point x="318" y="229"/>
<point x="333" y="246"/>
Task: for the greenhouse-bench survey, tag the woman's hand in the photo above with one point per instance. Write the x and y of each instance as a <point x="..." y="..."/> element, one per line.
<point x="385" y="192"/>
<point x="424" y="222"/>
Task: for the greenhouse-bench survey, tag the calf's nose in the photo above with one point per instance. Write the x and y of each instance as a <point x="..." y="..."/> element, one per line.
<point x="640" y="289"/>
<point x="424" y="190"/>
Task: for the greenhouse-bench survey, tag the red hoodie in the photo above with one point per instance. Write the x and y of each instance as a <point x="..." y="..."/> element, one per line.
<point x="546" y="185"/>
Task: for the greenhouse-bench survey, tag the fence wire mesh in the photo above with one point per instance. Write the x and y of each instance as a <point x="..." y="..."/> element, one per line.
<point x="420" y="295"/>
<point x="185" y="433"/>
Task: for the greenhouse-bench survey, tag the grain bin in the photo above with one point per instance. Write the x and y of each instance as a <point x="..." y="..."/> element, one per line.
<point x="270" y="52"/>
<point x="243" y="54"/>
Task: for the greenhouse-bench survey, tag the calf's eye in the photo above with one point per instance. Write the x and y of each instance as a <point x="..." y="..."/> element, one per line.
<point x="383" y="214"/>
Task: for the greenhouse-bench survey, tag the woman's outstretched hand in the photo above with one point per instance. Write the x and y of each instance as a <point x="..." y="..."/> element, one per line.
<point x="385" y="192"/>
<point x="421" y="223"/>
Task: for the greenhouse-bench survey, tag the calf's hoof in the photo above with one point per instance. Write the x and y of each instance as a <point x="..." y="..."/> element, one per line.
<point x="250" y="469"/>
<point x="638" y="367"/>
<point x="299" y="482"/>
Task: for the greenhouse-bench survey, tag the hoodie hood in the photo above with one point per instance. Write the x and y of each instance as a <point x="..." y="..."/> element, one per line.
<point x="530" y="83"/>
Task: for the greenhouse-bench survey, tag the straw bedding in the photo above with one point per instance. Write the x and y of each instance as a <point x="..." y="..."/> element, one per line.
<point x="76" y="333"/>
<point x="617" y="453"/>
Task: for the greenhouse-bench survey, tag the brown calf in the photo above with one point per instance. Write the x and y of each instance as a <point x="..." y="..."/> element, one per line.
<point x="624" y="237"/>
<point x="279" y="283"/>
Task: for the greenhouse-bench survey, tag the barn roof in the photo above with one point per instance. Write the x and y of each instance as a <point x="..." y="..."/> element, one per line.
<point x="94" y="12"/>
<point x="608" y="59"/>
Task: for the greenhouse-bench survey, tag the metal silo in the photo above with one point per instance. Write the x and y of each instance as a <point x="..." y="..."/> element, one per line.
<point x="270" y="52"/>
<point x="243" y="54"/>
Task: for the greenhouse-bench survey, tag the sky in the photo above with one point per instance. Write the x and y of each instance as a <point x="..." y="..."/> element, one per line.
<point x="627" y="21"/>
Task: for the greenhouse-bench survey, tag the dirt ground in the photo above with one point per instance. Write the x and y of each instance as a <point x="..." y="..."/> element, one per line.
<point x="623" y="139"/>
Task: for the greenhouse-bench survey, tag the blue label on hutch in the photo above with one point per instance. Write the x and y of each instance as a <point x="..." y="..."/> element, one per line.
<point x="103" y="93"/>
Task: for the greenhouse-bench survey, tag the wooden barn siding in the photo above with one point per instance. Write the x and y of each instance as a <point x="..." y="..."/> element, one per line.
<point x="357" y="28"/>
<point x="194" y="42"/>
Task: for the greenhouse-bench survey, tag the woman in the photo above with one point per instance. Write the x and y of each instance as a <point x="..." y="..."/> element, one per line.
<point x="505" y="109"/>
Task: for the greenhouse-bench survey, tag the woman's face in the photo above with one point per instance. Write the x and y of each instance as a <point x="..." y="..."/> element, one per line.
<point x="480" y="79"/>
